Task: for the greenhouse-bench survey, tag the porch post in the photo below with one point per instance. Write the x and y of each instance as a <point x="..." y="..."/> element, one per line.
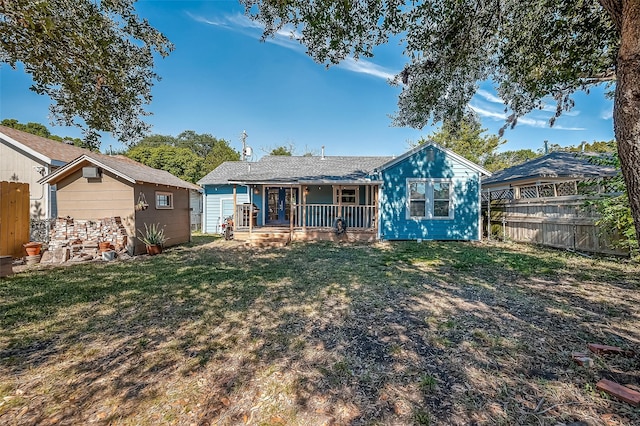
<point x="489" y="215"/>
<point x="292" y="210"/>
<point x="304" y="208"/>
<point x="250" y="189"/>
<point x="367" y="202"/>
<point x="375" y="198"/>
<point x="339" y="201"/>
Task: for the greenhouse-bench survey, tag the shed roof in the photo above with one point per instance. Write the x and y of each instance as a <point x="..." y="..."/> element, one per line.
<point x="47" y="150"/>
<point x="124" y="167"/>
<point x="557" y="164"/>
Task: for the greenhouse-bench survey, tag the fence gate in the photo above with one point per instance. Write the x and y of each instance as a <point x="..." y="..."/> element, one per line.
<point x="14" y="218"/>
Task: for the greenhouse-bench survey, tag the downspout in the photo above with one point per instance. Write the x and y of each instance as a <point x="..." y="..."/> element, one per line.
<point x="190" y="212"/>
<point x="203" y="219"/>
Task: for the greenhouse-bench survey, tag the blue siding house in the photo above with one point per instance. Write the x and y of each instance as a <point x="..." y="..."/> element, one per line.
<point x="218" y="195"/>
<point x="428" y="193"/>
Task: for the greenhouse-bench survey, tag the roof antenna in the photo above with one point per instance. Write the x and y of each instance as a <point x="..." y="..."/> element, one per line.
<point x="322" y="158"/>
<point x="245" y="152"/>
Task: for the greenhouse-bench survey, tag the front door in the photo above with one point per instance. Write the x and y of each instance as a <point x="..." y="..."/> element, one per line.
<point x="279" y="205"/>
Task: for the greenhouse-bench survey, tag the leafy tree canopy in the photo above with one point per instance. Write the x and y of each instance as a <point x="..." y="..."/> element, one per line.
<point x="465" y="137"/>
<point x="282" y="150"/>
<point x="208" y="153"/>
<point x="94" y="59"/>
<point x="180" y="162"/>
<point x="42" y="130"/>
<point x="532" y="51"/>
<point x="506" y="159"/>
<point x="595" y="146"/>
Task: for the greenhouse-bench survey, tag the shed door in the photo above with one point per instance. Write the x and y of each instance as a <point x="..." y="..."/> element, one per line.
<point x="226" y="209"/>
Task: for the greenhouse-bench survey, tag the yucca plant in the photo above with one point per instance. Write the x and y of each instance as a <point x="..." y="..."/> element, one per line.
<point x="153" y="235"/>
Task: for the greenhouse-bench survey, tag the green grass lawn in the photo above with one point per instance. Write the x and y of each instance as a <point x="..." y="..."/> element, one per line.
<point x="320" y="333"/>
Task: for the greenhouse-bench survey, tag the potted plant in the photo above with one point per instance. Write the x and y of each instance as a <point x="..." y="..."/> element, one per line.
<point x="33" y="248"/>
<point x="153" y="237"/>
<point x="104" y="245"/>
<point x="141" y="206"/>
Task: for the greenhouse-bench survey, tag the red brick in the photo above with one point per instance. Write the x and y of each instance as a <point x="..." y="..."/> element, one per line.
<point x="583" y="360"/>
<point x="619" y="391"/>
<point x="605" y="349"/>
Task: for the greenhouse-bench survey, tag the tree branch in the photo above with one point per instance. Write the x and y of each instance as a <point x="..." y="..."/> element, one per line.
<point x="614" y="8"/>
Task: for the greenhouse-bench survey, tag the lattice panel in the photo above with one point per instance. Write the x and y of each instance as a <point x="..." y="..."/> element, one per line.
<point x="589" y="187"/>
<point x="529" y="192"/>
<point x="609" y="185"/>
<point x="566" y="188"/>
<point x="504" y="194"/>
<point x="546" y="190"/>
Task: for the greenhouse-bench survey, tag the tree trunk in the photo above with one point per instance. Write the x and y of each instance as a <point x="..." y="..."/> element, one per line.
<point x="626" y="109"/>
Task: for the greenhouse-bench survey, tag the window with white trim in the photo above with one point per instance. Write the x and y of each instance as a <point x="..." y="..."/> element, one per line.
<point x="417" y="199"/>
<point x="164" y="200"/>
<point x="346" y="195"/>
<point x="429" y="198"/>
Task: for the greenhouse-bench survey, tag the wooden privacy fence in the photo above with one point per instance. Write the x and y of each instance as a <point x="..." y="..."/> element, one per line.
<point x="561" y="222"/>
<point x="14" y="218"/>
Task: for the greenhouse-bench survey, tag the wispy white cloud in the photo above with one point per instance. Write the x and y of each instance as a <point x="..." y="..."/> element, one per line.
<point x="553" y="109"/>
<point x="289" y="38"/>
<point x="366" y="67"/>
<point x="573" y="129"/>
<point x="525" y="121"/>
<point x="489" y="96"/>
<point x="606" y="114"/>
<point x="482" y="112"/>
<point x="532" y="122"/>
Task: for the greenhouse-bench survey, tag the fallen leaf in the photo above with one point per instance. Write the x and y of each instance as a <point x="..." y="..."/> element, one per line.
<point x="225" y="401"/>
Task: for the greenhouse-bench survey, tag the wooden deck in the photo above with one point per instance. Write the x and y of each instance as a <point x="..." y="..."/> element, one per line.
<point x="278" y="236"/>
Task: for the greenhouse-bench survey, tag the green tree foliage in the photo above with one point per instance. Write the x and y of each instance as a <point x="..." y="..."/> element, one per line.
<point x="42" y="130"/>
<point x="207" y="152"/>
<point x="615" y="211"/>
<point x="180" y="162"/>
<point x="220" y="153"/>
<point x="503" y="160"/>
<point x="596" y="146"/>
<point x="465" y="138"/>
<point x="531" y="50"/>
<point x="282" y="150"/>
<point x="94" y="59"/>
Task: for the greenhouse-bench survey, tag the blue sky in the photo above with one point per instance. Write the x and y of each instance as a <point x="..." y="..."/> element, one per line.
<point x="222" y="80"/>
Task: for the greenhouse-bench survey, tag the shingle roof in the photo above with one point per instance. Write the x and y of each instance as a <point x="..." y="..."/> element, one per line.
<point x="140" y="172"/>
<point x="125" y="167"/>
<point x="557" y="164"/>
<point x="221" y="174"/>
<point x="294" y="169"/>
<point x="53" y="150"/>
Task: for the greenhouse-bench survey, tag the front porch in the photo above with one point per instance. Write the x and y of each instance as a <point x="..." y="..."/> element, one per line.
<point x="274" y="211"/>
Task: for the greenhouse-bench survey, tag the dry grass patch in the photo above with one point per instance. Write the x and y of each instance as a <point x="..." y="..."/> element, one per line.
<point x="320" y="333"/>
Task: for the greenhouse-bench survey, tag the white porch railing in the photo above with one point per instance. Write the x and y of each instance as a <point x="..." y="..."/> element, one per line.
<point x="243" y="213"/>
<point x="317" y="216"/>
<point x="325" y="216"/>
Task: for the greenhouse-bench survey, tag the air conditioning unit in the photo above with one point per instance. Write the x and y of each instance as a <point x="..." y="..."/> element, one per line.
<point x="90" y="172"/>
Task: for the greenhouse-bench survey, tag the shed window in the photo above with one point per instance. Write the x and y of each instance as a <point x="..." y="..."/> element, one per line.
<point x="164" y="200"/>
<point x="429" y="199"/>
